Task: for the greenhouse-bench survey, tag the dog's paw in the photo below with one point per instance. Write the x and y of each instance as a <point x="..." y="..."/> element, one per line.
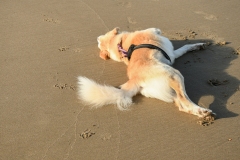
<point x="198" y="46"/>
<point x="208" y="119"/>
<point x="207" y="114"/>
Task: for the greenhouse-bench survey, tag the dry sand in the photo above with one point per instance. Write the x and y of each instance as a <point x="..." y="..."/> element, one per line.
<point x="46" y="44"/>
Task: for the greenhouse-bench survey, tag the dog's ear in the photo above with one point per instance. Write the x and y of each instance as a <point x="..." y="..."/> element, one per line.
<point x="104" y="55"/>
<point x="116" y="30"/>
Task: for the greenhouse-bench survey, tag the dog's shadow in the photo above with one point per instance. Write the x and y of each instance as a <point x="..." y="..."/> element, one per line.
<point x="205" y="75"/>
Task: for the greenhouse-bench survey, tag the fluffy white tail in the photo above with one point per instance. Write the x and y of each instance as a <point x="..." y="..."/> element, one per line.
<point x="98" y="95"/>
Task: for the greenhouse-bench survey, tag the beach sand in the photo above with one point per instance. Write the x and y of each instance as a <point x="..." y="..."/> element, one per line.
<point x="47" y="44"/>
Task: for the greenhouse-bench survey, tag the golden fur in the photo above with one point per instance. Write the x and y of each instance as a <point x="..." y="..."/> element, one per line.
<point x="149" y="72"/>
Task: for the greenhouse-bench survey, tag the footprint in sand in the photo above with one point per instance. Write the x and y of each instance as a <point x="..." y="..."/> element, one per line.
<point x="65" y="86"/>
<point x="62" y="49"/>
<point x="124" y="4"/>
<point x="131" y="20"/>
<point x="77" y="50"/>
<point x="207" y="16"/>
<point x="51" y="20"/>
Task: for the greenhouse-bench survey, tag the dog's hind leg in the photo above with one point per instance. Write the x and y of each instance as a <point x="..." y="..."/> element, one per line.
<point x="176" y="82"/>
<point x="130" y="88"/>
<point x="187" y="48"/>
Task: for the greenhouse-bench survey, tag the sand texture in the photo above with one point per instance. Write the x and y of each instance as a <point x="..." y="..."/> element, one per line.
<point x="46" y="44"/>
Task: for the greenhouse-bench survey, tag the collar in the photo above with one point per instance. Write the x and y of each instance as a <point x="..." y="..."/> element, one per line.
<point x="123" y="51"/>
<point x="134" y="47"/>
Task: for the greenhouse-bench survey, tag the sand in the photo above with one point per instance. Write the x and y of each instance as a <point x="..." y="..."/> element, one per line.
<point x="46" y="44"/>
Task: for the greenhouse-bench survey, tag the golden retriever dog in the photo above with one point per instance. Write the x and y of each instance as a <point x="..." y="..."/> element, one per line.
<point x="149" y="57"/>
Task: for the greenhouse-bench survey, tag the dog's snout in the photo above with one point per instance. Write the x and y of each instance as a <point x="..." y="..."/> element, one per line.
<point x="99" y="38"/>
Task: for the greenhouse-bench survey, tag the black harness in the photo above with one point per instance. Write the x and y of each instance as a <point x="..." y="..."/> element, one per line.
<point x="150" y="46"/>
<point x="134" y="47"/>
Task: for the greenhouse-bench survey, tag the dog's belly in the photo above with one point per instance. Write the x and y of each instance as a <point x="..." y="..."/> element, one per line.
<point x="158" y="88"/>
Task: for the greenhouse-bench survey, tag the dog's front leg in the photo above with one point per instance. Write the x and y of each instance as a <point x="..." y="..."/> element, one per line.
<point x="187" y="48"/>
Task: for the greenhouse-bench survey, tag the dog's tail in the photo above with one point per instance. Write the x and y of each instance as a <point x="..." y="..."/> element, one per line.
<point x="98" y="95"/>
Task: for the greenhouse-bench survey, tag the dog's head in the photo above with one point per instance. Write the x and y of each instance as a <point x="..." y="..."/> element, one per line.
<point x="108" y="45"/>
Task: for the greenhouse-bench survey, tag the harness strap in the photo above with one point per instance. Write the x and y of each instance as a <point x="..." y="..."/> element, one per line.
<point x="150" y="46"/>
